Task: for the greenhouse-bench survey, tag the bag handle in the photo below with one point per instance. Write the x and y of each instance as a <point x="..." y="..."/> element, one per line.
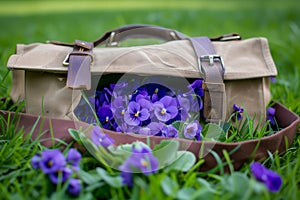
<point x="113" y="37"/>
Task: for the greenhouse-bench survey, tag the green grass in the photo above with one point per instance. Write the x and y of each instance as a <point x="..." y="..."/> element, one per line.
<point x="39" y="21"/>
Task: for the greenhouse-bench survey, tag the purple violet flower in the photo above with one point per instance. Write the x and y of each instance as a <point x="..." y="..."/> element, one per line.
<point x="35" y="161"/>
<point x="145" y="104"/>
<point x="101" y="139"/>
<point x="238" y="111"/>
<point x="271" y="115"/>
<point x="60" y="175"/>
<point x="142" y="96"/>
<point x="184" y="107"/>
<point x="140" y="147"/>
<point x="127" y="178"/>
<point x="140" y="93"/>
<point x="151" y="129"/>
<point x="52" y="161"/>
<point x="118" y="107"/>
<point x="196" y="86"/>
<point x="273" y="79"/>
<point x="271" y="179"/>
<point x="169" y="131"/>
<point x="73" y="158"/>
<point x="103" y="97"/>
<point x="118" y="88"/>
<point x="156" y="91"/>
<point x="74" y="187"/>
<point x="192" y="130"/>
<point x="165" y="109"/>
<point x="135" y="114"/>
<point x="125" y="128"/>
<point x="105" y="116"/>
<point x="140" y="161"/>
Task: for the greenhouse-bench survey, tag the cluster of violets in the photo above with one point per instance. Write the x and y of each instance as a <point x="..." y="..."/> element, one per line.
<point x="149" y="110"/>
<point x="141" y="159"/>
<point x="152" y="109"/>
<point x="271" y="179"/>
<point x="60" y="168"/>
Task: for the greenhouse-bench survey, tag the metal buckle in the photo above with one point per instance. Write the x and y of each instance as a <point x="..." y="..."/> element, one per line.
<point x="230" y="37"/>
<point x="66" y="60"/>
<point x="173" y="35"/>
<point x="111" y="42"/>
<point x="211" y="58"/>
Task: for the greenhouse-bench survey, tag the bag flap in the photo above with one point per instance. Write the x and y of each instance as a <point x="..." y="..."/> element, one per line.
<point x="243" y="59"/>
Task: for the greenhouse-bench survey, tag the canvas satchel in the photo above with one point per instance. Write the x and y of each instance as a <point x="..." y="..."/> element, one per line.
<point x="50" y="79"/>
<point x="234" y="71"/>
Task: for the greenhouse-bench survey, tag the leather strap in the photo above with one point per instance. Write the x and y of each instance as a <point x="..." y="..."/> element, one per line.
<point x="246" y="150"/>
<point x="79" y="73"/>
<point x="113" y="37"/>
<point x="211" y="66"/>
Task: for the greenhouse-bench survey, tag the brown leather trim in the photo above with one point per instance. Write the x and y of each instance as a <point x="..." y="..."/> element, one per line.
<point x="213" y="73"/>
<point x="286" y="119"/>
<point x="79" y="73"/>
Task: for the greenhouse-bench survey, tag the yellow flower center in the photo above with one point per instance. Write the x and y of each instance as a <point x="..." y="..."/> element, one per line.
<point x="190" y="130"/>
<point x="156" y="91"/>
<point x="49" y="163"/>
<point x="163" y="111"/>
<point x="137" y="114"/>
<point x="123" y="112"/>
<point x="106" y="119"/>
<point x="144" y="163"/>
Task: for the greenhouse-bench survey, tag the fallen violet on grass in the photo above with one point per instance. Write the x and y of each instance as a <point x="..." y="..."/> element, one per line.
<point x="271" y="115"/>
<point x="271" y="179"/>
<point x="59" y="168"/>
<point x="140" y="161"/>
<point x="237" y="110"/>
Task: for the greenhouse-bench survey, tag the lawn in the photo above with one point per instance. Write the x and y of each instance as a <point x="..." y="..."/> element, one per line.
<point x="39" y="21"/>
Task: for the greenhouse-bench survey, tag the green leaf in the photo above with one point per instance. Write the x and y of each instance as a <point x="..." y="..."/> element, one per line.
<point x="166" y="152"/>
<point x="121" y="151"/>
<point x="203" y="193"/>
<point x="205" y="184"/>
<point x="179" y="125"/>
<point x="185" y="160"/>
<point x="88" y="178"/>
<point x="212" y="131"/>
<point x="94" y="186"/>
<point x="125" y="147"/>
<point x="113" y="181"/>
<point x="185" y="193"/>
<point x="75" y="135"/>
<point x="237" y="183"/>
<point x="169" y="186"/>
